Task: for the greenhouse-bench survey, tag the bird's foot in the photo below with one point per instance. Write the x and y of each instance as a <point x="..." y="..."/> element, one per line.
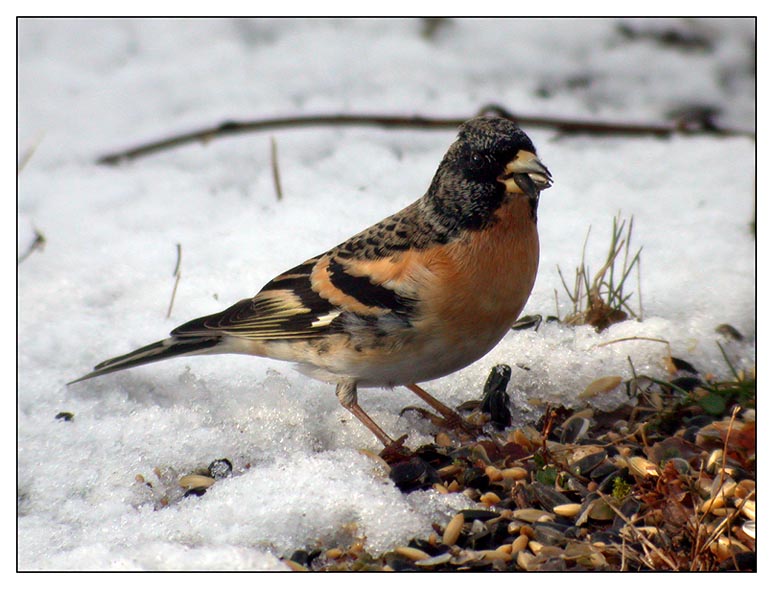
<point x="395" y="452"/>
<point x="452" y="422"/>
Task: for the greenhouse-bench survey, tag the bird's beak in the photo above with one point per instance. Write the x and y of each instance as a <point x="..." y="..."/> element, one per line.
<point x="526" y="175"/>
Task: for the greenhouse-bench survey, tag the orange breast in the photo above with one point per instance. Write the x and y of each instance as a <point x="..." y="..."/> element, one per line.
<point x="484" y="280"/>
<point x="471" y="289"/>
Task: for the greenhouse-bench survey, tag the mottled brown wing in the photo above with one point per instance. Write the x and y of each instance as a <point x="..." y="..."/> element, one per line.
<point x="308" y="301"/>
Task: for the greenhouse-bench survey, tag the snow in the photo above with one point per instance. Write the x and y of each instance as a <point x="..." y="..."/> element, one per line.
<point x="102" y="284"/>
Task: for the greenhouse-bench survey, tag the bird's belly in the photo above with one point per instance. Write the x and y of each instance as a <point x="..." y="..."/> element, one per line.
<point x="434" y="359"/>
<point x="384" y="363"/>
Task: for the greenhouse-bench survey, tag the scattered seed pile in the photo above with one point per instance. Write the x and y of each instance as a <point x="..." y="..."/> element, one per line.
<point x="666" y="483"/>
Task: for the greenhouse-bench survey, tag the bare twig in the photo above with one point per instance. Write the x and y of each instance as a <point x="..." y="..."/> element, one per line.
<point x="566" y="126"/>
<point x="639" y="283"/>
<point x="27" y="155"/>
<point x="275" y="169"/>
<point x="179" y="249"/>
<point x="648" y="338"/>
<point x="623" y="554"/>
<point x="728" y="517"/>
<point x="175" y="274"/>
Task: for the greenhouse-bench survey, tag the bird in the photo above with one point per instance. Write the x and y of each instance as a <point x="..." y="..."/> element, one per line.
<point x="416" y="296"/>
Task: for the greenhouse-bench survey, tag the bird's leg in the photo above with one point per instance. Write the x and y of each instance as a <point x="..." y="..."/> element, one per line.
<point x="347" y="394"/>
<point x="452" y="418"/>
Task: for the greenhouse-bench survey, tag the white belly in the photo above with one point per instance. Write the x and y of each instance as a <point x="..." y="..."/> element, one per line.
<point x="435" y="360"/>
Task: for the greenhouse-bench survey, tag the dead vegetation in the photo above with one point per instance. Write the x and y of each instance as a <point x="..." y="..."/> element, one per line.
<point x="603" y="299"/>
<point x="665" y="484"/>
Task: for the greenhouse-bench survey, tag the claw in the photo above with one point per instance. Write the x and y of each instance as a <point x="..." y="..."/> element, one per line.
<point x="395" y="452"/>
<point x="453" y="423"/>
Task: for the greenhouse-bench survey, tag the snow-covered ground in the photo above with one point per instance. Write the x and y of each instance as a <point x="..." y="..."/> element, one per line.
<point x="102" y="284"/>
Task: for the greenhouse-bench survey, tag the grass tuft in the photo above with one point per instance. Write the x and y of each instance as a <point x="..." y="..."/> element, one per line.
<point x="603" y="299"/>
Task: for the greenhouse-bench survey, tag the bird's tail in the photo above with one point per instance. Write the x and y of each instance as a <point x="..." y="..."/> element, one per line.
<point x="158" y="351"/>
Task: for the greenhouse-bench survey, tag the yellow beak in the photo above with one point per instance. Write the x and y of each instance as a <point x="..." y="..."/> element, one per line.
<point x="526" y="174"/>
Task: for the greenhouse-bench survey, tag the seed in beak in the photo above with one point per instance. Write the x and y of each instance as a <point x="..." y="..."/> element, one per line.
<point x="526" y="174"/>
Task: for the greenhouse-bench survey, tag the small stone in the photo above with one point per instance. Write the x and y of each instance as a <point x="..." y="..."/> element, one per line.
<point x="300" y="557"/>
<point x="199" y="491"/>
<point x="220" y="468"/>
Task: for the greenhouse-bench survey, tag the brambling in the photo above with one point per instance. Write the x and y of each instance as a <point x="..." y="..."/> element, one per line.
<point x="415" y="297"/>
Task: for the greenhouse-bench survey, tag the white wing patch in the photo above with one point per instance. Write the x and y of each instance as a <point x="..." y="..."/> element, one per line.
<point x="325" y="320"/>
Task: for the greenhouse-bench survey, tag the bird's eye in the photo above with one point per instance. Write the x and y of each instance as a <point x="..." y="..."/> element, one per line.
<point x="477" y="160"/>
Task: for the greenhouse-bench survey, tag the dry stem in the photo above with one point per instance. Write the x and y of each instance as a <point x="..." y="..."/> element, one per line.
<point x="566" y="126"/>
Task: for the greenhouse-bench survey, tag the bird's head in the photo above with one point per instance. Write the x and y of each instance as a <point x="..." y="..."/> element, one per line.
<point x="491" y="161"/>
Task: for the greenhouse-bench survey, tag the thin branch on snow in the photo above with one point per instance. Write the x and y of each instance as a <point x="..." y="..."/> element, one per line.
<point x="684" y="126"/>
<point x="275" y="169"/>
